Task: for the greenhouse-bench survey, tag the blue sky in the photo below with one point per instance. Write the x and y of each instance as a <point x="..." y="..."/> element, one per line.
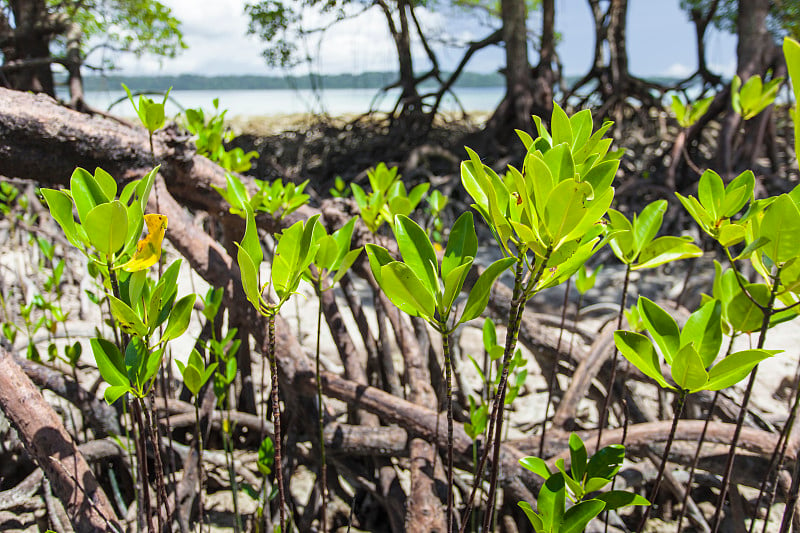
<point x="660" y="41"/>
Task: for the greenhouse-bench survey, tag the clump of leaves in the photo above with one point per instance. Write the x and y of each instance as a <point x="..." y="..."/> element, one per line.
<point x="388" y="197"/>
<point x="687" y="113"/>
<point x="754" y="96"/>
<point x="579" y="486"/>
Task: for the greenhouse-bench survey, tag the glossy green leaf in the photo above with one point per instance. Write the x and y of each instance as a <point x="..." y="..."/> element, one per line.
<point x="665" y="250"/>
<point x="559" y="160"/>
<point x="698" y="213"/>
<point x="578" y="456"/>
<point x="561" y="128"/>
<point x="581" y="123"/>
<point x="711" y="193"/>
<point x="704" y="329"/>
<point x="452" y="286"/>
<point x="533" y="518"/>
<point x="605" y="463"/>
<point x="417" y="252"/>
<point x="249" y="276"/>
<point x="109" y="362"/>
<point x="688" y="370"/>
<point x="781" y="225"/>
<point x="744" y="315"/>
<point x="536" y="465"/>
<point x="250" y="243"/>
<point x="601" y="176"/>
<point x="551" y="502"/>
<point x="107" y="226"/>
<point x="462" y="243"/>
<point x="60" y="205"/>
<point x="179" y="317"/>
<point x="343" y="266"/>
<point x="479" y="294"/>
<point x="378" y="257"/>
<point x="661" y="326"/>
<point x="734" y="368"/>
<point x="737" y="194"/>
<point x="584" y="281"/>
<point x="638" y="349"/>
<point x="128" y="320"/>
<point x="614" y="499"/>
<point x="647" y="224"/>
<point x="578" y="516"/>
<point x="86" y="192"/>
<point x="565" y="208"/>
<point x="406" y="291"/>
<point x="114" y="392"/>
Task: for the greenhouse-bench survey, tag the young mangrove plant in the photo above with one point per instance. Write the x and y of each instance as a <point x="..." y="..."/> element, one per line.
<point x="580" y="485"/>
<point x="547" y="220"/>
<point x="293" y="255"/>
<point x="689" y="353"/>
<point x="333" y="256"/>
<point x="422" y="286"/>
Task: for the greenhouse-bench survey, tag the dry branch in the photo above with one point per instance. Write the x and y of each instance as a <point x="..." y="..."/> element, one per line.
<point x="47" y="440"/>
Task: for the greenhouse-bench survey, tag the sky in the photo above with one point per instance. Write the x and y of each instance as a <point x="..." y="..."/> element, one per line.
<point x="661" y="41"/>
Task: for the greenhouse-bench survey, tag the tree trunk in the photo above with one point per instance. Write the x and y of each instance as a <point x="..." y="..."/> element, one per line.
<point x="31" y="42"/>
<point x="544" y="75"/>
<point x="755" y="52"/>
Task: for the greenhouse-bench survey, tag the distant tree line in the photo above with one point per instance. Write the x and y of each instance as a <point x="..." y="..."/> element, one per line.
<point x="189" y="82"/>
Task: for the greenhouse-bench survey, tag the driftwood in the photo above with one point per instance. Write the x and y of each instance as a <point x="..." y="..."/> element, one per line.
<point x="51" y="445"/>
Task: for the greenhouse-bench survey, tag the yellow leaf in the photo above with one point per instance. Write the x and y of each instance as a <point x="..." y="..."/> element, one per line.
<point x="148" y="250"/>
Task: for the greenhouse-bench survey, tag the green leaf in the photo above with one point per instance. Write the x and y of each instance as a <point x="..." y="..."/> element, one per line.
<point x="614" y="499"/>
<point x="559" y="161"/>
<point x="638" y="349"/>
<point x="60" y="205"/>
<point x="688" y="370"/>
<point x="734" y="368"/>
<point x="250" y="242"/>
<point x="114" y="392"/>
<point x="179" y="317"/>
<point x="578" y="516"/>
<point x="647" y="224"/>
<point x="128" y="320"/>
<point x="417" y="252"/>
<point x="249" y="277"/>
<point x="533" y="518"/>
<point x="565" y="208"/>
<point x="345" y="264"/>
<point x="327" y="253"/>
<point x="109" y="362"/>
<point x="578" y="456"/>
<point x="737" y="194"/>
<point x="606" y="463"/>
<point x="781" y="225"/>
<point x="601" y="176"/>
<point x="536" y="465"/>
<point x="479" y="294"/>
<point x="452" y="287"/>
<point x="461" y="244"/>
<point x="551" y="502"/>
<point x="711" y="193"/>
<point x="561" y="127"/>
<point x="704" y="330"/>
<point x="406" y="291"/>
<point x="744" y="315"/>
<point x="661" y="326"/>
<point x="107" y="226"/>
<point x="378" y="257"/>
<point x="86" y="192"/>
<point x="666" y="249"/>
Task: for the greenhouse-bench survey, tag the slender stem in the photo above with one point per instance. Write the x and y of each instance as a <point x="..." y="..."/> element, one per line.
<point x="791" y="501"/>
<point x="513" y="311"/>
<point x="276" y="421"/>
<point x="141" y="455"/>
<point x="198" y="438"/>
<point x="449" y="384"/>
<point x="551" y="384"/>
<point x="664" y="458"/>
<point x="762" y="337"/>
<point x="612" y="378"/>
<point x="228" y="445"/>
<point x="696" y="460"/>
<point x="499" y="403"/>
<point x="161" y="491"/>
<point x="323" y="467"/>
